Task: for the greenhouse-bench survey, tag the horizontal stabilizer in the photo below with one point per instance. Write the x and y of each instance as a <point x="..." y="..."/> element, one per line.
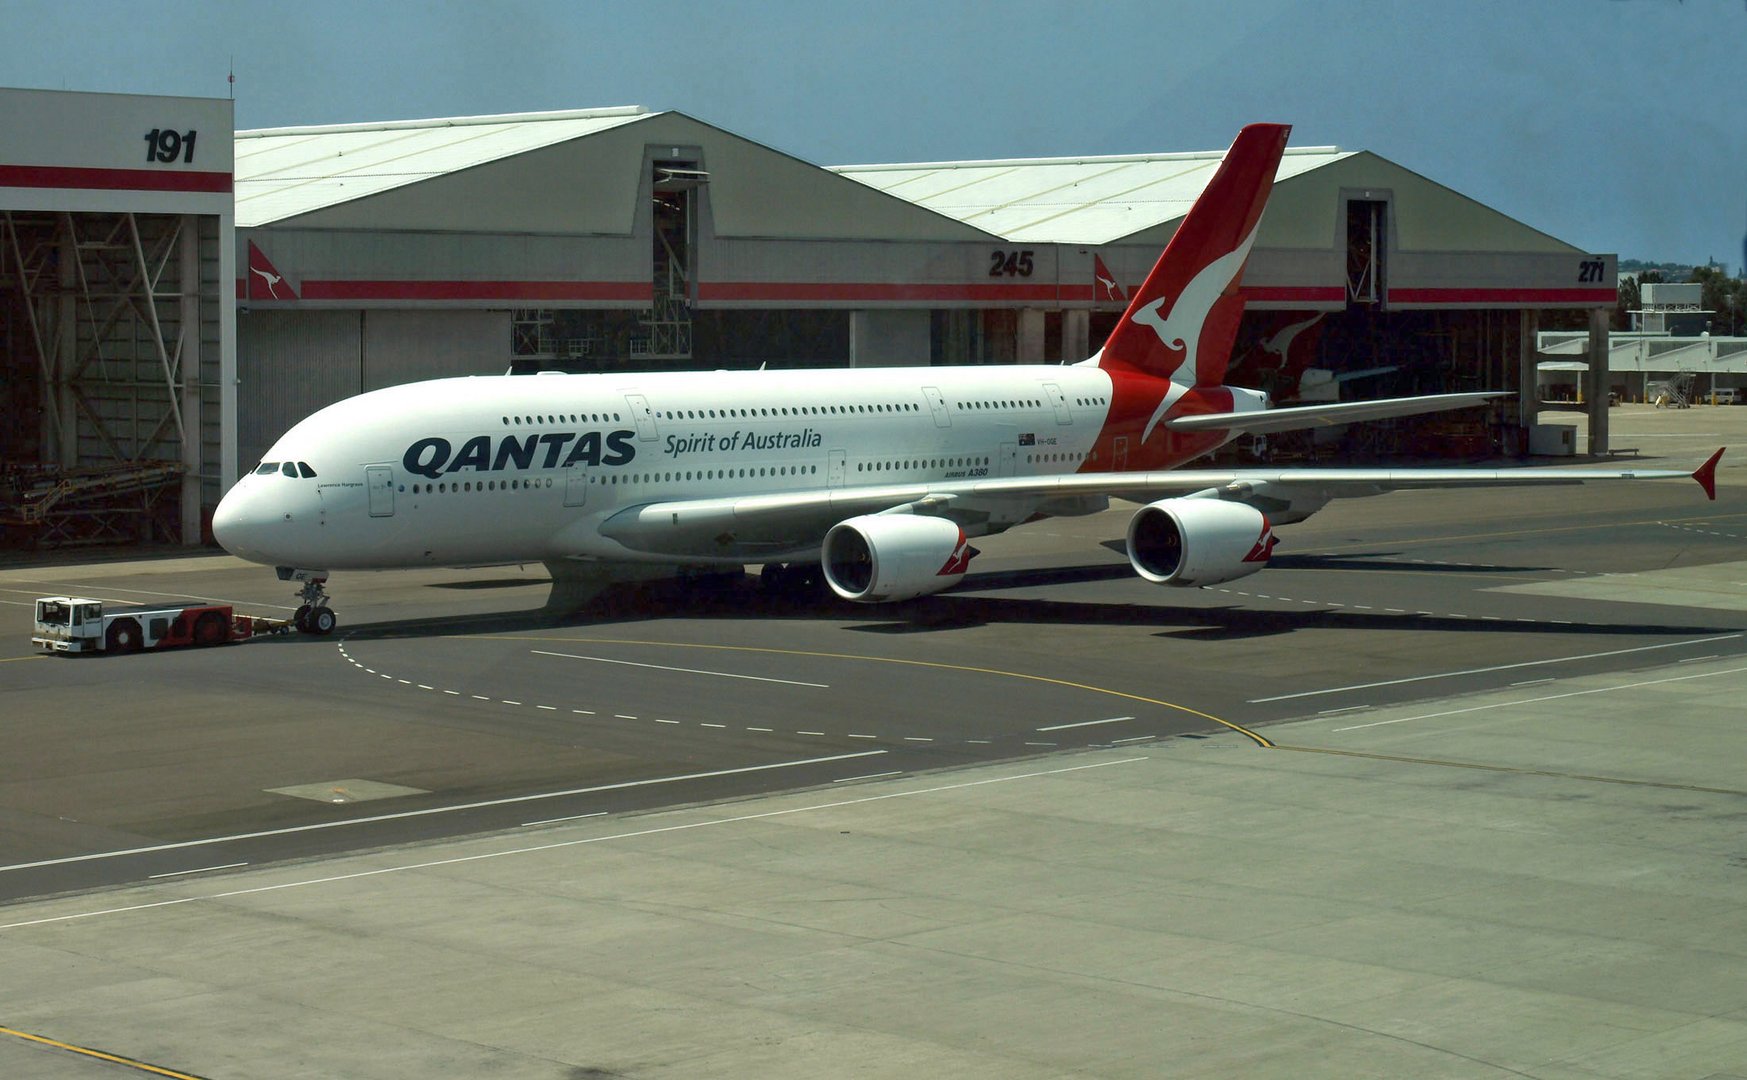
<point x="1300" y="417"/>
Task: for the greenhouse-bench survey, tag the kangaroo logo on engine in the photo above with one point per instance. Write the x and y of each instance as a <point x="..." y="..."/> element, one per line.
<point x="434" y="456"/>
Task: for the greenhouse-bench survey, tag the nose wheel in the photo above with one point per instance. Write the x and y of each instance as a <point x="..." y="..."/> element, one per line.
<point x="313" y="615"/>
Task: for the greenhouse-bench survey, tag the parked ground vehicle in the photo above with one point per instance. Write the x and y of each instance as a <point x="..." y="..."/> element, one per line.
<point x="77" y="624"/>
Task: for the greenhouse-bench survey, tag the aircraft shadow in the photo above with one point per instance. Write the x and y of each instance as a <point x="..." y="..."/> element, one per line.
<point x="743" y="599"/>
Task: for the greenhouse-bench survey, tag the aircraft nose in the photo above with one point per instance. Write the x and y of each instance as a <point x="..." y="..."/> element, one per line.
<point x="242" y="525"/>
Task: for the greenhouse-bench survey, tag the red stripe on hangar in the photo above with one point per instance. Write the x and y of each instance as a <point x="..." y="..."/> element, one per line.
<point x="628" y="291"/>
<point x="777" y="291"/>
<point x="1547" y="297"/>
<point x="67" y="176"/>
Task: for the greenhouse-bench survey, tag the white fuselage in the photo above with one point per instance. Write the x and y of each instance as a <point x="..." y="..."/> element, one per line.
<point x="498" y="469"/>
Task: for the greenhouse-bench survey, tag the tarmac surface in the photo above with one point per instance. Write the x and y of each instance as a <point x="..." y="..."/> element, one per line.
<point x="1454" y="788"/>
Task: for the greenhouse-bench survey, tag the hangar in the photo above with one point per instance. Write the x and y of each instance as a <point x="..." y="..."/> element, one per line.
<point x="621" y="238"/>
<point x="116" y="316"/>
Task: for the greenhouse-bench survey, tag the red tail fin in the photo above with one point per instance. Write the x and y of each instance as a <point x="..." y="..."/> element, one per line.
<point x="1181" y="324"/>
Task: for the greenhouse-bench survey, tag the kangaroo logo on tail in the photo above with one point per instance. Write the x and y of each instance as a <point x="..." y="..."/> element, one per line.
<point x="1180" y="325"/>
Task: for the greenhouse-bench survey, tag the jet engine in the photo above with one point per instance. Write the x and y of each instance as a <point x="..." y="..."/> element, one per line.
<point x="880" y="557"/>
<point x="1198" y="541"/>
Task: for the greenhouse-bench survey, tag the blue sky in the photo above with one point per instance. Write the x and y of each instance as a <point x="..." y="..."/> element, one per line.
<point x="1616" y="125"/>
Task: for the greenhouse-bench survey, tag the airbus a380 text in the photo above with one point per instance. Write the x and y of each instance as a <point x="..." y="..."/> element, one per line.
<point x="878" y="477"/>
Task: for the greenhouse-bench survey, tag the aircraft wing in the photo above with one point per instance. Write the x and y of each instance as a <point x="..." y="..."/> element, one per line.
<point x="1330" y="414"/>
<point x="760" y="527"/>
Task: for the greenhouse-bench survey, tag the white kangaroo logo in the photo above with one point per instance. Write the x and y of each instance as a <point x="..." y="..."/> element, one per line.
<point x="271" y="280"/>
<point x="1181" y="329"/>
<point x="1110" y="290"/>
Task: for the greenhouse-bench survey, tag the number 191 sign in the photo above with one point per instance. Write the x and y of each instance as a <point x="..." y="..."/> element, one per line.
<point x="167" y="146"/>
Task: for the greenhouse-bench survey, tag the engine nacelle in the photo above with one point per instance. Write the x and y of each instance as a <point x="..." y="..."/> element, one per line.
<point x="1198" y="541"/>
<point x="881" y="557"/>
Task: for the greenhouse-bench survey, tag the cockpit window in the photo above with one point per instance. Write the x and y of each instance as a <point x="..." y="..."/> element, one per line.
<point x="266" y="467"/>
<point x="288" y="469"/>
<point x="304" y="470"/>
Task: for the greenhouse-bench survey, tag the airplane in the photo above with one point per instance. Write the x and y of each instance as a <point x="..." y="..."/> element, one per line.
<point x="873" y="480"/>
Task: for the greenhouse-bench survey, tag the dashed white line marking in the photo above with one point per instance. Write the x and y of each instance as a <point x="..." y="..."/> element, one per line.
<point x="867" y="776"/>
<point x="1132" y="738"/>
<point x="713" y="725"/>
<point x="1696" y="659"/>
<point x="916" y="738"/>
<point x="556" y="820"/>
<point x="583" y="712"/>
<point x="453" y="693"/>
<point x="434" y="810"/>
<point x="1084" y="723"/>
<point x="687" y="671"/>
<point x="201" y="870"/>
<point x="480" y="697"/>
<point x="507" y="701"/>
<point x="809" y="733"/>
<point x="1532" y="682"/>
<point x="422" y="686"/>
<point x="1497" y="667"/>
<point x="763" y="729"/>
<point x="1549" y="697"/>
<point x="548" y="708"/>
<point x="658" y="721"/>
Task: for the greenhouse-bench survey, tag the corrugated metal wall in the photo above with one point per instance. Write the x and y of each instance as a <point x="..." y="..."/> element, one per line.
<point x="406" y="346"/>
<point x="290" y="364"/>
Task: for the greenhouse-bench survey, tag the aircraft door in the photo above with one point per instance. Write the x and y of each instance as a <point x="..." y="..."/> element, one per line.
<point x="1119" y="454"/>
<point x="1009" y="459"/>
<point x="835" y="471"/>
<point x="1060" y="401"/>
<point x="937" y="405"/>
<point x="642" y="416"/>
<point x="379" y="481"/>
<point x="576" y="486"/>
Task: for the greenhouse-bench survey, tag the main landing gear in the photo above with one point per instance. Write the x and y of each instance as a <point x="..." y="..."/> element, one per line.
<point x="313" y="615"/>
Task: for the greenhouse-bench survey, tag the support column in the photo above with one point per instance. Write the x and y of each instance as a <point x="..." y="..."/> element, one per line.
<point x="1076" y="335"/>
<point x="1596" y="382"/>
<point x="1528" y="398"/>
<point x="1029" y="348"/>
<point x="64" y="358"/>
<point x="188" y="370"/>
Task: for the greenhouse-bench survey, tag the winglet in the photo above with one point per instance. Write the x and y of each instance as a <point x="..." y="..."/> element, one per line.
<point x="1706" y="474"/>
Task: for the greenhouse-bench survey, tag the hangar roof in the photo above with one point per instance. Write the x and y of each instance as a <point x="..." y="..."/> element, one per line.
<point x="1081" y="200"/>
<point x="284" y="172"/>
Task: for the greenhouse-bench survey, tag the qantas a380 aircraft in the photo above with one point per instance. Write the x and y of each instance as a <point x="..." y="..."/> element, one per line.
<point x="877" y="477"/>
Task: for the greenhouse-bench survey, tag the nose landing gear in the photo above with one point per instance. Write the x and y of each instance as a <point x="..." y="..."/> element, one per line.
<point x="313" y="615"/>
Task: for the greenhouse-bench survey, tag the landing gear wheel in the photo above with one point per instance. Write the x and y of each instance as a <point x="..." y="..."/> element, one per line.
<point x="301" y="619"/>
<point x="321" y="622"/>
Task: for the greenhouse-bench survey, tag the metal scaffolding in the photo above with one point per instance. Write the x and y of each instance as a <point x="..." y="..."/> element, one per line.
<point x="105" y="350"/>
